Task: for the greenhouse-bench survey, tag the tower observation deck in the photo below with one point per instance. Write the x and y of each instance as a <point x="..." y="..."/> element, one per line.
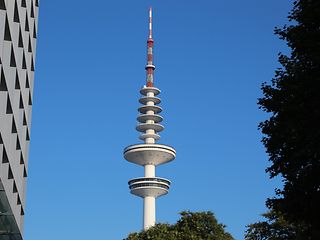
<point x="149" y="154"/>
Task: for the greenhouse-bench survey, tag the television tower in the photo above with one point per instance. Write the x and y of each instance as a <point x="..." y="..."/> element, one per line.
<point x="149" y="154"/>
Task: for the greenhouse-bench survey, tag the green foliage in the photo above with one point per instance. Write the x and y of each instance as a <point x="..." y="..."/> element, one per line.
<point x="274" y="228"/>
<point x="292" y="133"/>
<point x="191" y="226"/>
<point x="158" y="232"/>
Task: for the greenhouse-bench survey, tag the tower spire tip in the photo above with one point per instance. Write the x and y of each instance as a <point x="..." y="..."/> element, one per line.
<point x="150" y="22"/>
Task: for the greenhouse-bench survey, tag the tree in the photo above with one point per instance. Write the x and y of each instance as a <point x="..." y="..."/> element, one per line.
<point x="274" y="228"/>
<point x="292" y="133"/>
<point x="191" y="226"/>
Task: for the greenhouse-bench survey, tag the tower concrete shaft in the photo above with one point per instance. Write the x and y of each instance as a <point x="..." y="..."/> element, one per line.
<point x="149" y="154"/>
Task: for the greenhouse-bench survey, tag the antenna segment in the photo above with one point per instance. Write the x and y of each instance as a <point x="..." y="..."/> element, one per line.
<point x="150" y="23"/>
<point x="150" y="67"/>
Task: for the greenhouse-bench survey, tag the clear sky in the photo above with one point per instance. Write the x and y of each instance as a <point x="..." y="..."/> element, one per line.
<point x="211" y="58"/>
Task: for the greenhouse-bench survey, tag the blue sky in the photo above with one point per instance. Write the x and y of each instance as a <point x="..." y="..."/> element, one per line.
<point x="211" y="58"/>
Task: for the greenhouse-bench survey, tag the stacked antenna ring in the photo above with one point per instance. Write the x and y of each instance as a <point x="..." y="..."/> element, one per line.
<point x="149" y="119"/>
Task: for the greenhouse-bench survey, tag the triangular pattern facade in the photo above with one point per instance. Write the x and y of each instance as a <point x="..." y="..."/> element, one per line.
<point x="18" y="32"/>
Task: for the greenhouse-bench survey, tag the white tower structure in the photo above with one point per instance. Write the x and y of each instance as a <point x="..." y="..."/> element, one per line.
<point x="149" y="154"/>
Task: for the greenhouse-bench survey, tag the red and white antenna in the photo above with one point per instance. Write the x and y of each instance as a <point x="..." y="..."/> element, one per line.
<point x="150" y="67"/>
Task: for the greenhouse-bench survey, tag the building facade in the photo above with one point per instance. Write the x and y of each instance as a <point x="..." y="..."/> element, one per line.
<point x="18" y="34"/>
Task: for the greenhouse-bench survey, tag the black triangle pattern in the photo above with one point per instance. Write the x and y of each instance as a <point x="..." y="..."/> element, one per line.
<point x="2" y="5"/>
<point x="32" y="10"/>
<point x="20" y="41"/>
<point x="7" y="34"/>
<point x="21" y="158"/>
<point x="9" y="107"/>
<point x="14" y="127"/>
<point x="23" y="3"/>
<point x="24" y="119"/>
<point x="3" y="84"/>
<point x="24" y="63"/>
<point x="14" y="188"/>
<point x="21" y="105"/>
<point x="22" y="212"/>
<point x="27" y="81"/>
<point x="10" y="174"/>
<point x="17" y="85"/>
<point x="27" y="135"/>
<point x="34" y="31"/>
<point x="32" y="65"/>
<point x="29" y="45"/>
<point x="16" y="13"/>
<point x="26" y="28"/>
<point x="25" y="172"/>
<point x="13" y="63"/>
<point x="5" y="158"/>
<point x="12" y="58"/>
<point x="30" y="100"/>
<point x="18" y="146"/>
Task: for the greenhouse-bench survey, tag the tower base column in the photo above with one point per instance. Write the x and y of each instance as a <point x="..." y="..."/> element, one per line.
<point x="149" y="212"/>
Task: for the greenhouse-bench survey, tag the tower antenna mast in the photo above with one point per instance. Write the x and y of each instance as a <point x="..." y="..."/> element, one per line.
<point x="150" y="22"/>
<point x="150" y="67"/>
